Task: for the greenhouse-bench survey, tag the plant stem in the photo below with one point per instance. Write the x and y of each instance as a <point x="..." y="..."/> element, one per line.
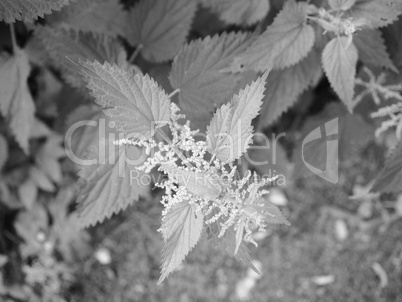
<point x="135" y="53"/>
<point x="13" y="38"/>
<point x="174" y="92"/>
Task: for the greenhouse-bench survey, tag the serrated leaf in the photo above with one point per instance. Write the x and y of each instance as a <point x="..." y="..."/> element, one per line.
<point x="93" y="139"/>
<point x="16" y="103"/>
<point x="287" y="41"/>
<point x="182" y="228"/>
<point x="160" y="27"/>
<point x="285" y="86"/>
<point x="371" y="48"/>
<point x="28" y="10"/>
<point x="240" y="12"/>
<point x="339" y="60"/>
<point x="102" y="17"/>
<point x="230" y="132"/>
<point x="341" y="4"/>
<point x="135" y="102"/>
<point x="3" y="151"/>
<point x="64" y="46"/>
<point x="196" y="182"/>
<point x="390" y="178"/>
<point x="111" y="184"/>
<point x="375" y="13"/>
<point x="160" y="73"/>
<point x="196" y="71"/>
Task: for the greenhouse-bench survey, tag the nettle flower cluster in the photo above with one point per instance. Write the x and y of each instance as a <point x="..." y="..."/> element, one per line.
<point x="335" y="21"/>
<point x="204" y="185"/>
<point x="205" y="191"/>
<point x="215" y="187"/>
<point x="381" y="92"/>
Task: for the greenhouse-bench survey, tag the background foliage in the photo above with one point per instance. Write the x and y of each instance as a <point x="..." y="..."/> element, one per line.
<point x="326" y="59"/>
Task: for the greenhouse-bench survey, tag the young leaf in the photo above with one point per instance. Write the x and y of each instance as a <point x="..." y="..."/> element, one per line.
<point x="196" y="182"/>
<point x="133" y="101"/>
<point x="390" y="178"/>
<point x="103" y="17"/>
<point x="16" y="103"/>
<point x="339" y="60"/>
<point x="160" y="27"/>
<point x="285" y="86"/>
<point x="288" y="40"/>
<point x="371" y="48"/>
<point x="375" y="13"/>
<point x="22" y="10"/>
<point x="341" y="4"/>
<point x="229" y="133"/>
<point x="65" y="45"/>
<point x="181" y="228"/>
<point x="196" y="71"/>
<point x="239" y="12"/>
<point x="111" y="184"/>
<point x="3" y="151"/>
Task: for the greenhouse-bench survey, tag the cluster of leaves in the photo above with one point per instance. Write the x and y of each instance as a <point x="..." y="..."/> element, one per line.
<point x="140" y="130"/>
<point x="32" y="182"/>
<point x="203" y="182"/>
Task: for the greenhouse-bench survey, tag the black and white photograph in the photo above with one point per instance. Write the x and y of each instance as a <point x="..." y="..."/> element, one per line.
<point x="200" y="150"/>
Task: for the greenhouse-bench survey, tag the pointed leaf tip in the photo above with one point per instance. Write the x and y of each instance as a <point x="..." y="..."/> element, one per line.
<point x="339" y="60"/>
<point x="182" y="230"/>
<point x="230" y="131"/>
<point x="28" y="10"/>
<point x="135" y="102"/>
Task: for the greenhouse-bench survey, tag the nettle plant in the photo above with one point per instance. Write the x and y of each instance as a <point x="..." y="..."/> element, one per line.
<point x="205" y="187"/>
